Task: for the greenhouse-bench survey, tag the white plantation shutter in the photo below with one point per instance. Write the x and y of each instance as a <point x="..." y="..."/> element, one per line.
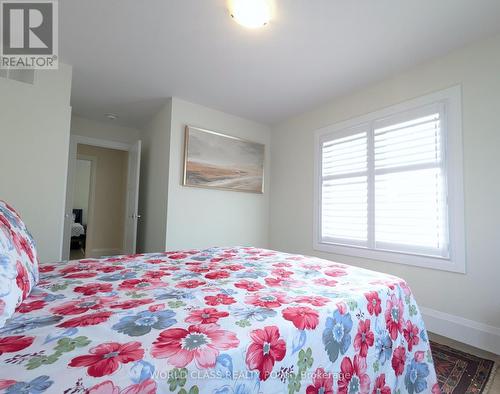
<point x="345" y="189"/>
<point x="383" y="185"/>
<point x="345" y="215"/>
<point x="409" y="181"/>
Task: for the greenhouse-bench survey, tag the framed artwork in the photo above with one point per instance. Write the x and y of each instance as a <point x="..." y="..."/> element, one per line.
<point x="219" y="161"/>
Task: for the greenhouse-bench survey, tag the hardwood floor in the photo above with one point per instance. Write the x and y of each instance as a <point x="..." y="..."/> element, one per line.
<point x="76" y="254"/>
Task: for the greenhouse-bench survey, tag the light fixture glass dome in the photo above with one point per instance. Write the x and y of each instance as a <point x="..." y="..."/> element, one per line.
<point x="251" y="13"/>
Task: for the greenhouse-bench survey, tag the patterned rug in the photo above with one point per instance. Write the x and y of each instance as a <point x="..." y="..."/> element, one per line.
<point x="459" y="372"/>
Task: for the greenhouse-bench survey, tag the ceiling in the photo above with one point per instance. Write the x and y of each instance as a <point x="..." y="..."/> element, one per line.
<point x="130" y="55"/>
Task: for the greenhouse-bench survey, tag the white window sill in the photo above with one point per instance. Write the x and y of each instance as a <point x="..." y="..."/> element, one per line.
<point x="438" y="263"/>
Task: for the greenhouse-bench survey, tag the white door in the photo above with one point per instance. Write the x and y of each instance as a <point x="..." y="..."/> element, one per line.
<point x="68" y="211"/>
<point x="131" y="214"/>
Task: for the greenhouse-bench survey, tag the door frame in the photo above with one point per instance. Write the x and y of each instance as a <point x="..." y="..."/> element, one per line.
<point x="76" y="139"/>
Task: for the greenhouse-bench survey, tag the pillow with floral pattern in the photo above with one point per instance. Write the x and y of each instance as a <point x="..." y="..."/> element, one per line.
<point x="18" y="261"/>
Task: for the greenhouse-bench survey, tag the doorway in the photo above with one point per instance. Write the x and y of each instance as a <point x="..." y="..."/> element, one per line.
<point x="101" y="199"/>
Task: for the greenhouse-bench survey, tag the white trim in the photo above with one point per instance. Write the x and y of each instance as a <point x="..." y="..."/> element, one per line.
<point x="80" y="139"/>
<point x="63" y="245"/>
<point x="441" y="95"/>
<point x="76" y="139"/>
<point x="132" y="199"/>
<point x="452" y="119"/>
<point x="470" y="332"/>
<point x="417" y="260"/>
<point x="90" y="208"/>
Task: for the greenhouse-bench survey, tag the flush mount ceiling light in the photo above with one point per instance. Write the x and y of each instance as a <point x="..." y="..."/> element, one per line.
<point x="111" y="116"/>
<point x="251" y="13"/>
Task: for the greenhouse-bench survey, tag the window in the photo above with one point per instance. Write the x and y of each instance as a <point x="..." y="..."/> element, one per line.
<point x="389" y="184"/>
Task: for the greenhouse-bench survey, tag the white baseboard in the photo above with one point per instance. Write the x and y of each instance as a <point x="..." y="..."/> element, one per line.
<point x="96" y="253"/>
<point x="480" y="335"/>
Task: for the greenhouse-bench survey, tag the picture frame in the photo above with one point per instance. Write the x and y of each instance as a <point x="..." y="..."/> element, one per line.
<point x="220" y="161"/>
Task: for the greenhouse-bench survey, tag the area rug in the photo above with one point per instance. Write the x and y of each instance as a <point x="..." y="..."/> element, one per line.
<point x="459" y="372"/>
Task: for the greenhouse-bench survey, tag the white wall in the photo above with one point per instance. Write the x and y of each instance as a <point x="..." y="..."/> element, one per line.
<point x="105" y="130"/>
<point x="34" y="143"/>
<point x="199" y="218"/>
<point x="176" y="217"/>
<point x="153" y="187"/>
<point x="473" y="296"/>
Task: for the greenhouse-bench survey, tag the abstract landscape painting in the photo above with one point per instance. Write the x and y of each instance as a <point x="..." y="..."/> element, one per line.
<point x="220" y="161"/>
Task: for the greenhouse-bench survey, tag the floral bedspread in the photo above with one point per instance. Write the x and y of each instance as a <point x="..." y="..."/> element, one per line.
<point x="220" y="320"/>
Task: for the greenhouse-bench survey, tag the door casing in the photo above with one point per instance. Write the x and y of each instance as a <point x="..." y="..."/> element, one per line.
<point x="132" y="197"/>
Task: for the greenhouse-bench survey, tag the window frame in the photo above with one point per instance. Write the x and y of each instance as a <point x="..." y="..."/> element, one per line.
<point x="450" y="101"/>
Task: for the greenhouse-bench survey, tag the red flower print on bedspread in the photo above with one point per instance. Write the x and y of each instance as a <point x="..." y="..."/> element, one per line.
<point x="322" y="383"/>
<point x="218" y="320"/>
<point x="190" y="284"/>
<point x="81" y="275"/>
<point x="398" y="360"/>
<point x="364" y="338"/>
<point x="155" y="274"/>
<point x="4" y="383"/>
<point x="200" y="343"/>
<point x="106" y="358"/>
<point x="380" y="386"/>
<point x="146" y="387"/>
<point x="267" y="348"/>
<point x="94" y="288"/>
<point x="394" y="316"/>
<point x="15" y="343"/>
<point x="22" y="279"/>
<point x="90" y="319"/>
<point x="374" y="304"/>
<point x="21" y="244"/>
<point x="302" y="317"/>
<point x="312" y="300"/>
<point x="140" y="284"/>
<point x="129" y="304"/>
<point x="353" y="374"/>
<point x="218" y="275"/>
<point x="249" y="285"/>
<point x="27" y="307"/>
<point x="410" y="332"/>
<point x="267" y="300"/>
<point x="82" y="305"/>
<point x="219" y="299"/>
<point x="205" y="316"/>
<point x="335" y="272"/>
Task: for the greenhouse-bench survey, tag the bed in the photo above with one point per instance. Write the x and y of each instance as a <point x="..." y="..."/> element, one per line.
<point x="221" y="320"/>
<point x="77" y="230"/>
<point x="77" y="227"/>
